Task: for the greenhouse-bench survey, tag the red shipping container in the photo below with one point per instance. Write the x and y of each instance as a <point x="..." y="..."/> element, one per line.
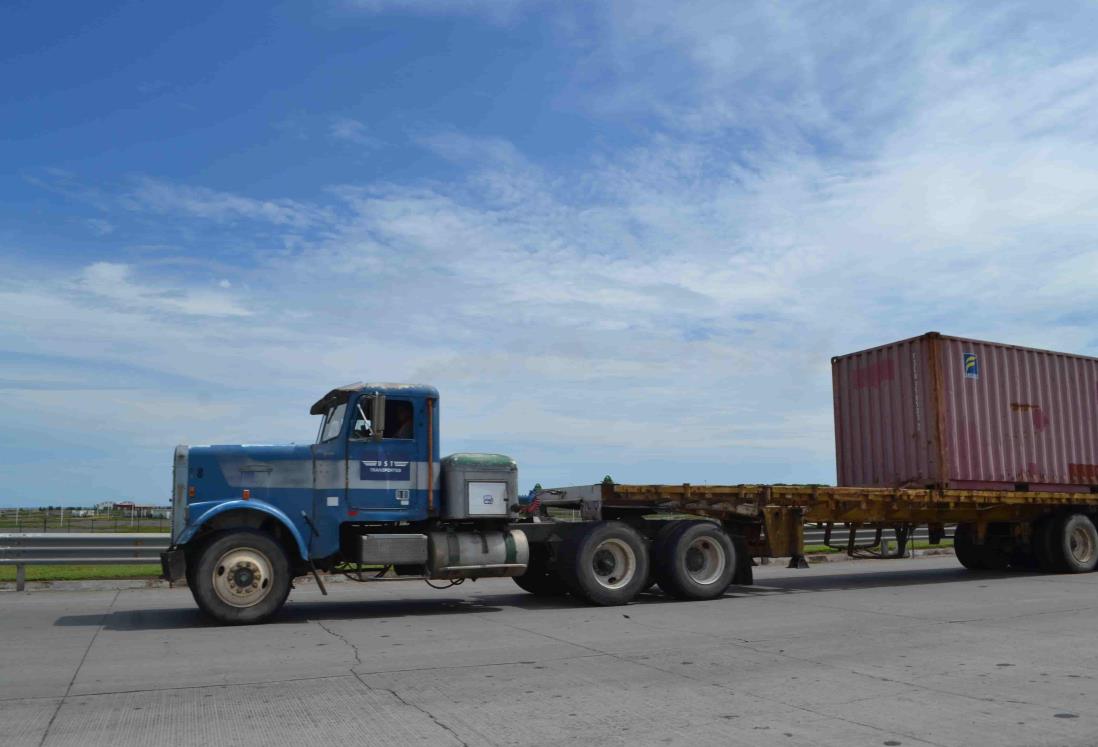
<point x="954" y="413"/>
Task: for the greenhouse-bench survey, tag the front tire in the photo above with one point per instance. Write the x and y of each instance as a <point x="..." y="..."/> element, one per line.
<point x="694" y="560"/>
<point x="242" y="577"/>
<point x="605" y="563"/>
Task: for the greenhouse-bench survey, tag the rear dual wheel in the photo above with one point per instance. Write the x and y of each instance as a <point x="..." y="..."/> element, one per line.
<point x="694" y="559"/>
<point x="608" y="563"/>
<point x="541" y="579"/>
<point x="605" y="563"/>
<point x="1066" y="543"/>
<point x="985" y="557"/>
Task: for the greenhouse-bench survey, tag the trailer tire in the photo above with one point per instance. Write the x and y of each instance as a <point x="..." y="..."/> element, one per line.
<point x="1072" y="543"/>
<point x="694" y="560"/>
<point x="975" y="557"/>
<point x="241" y="577"/>
<point x="540" y="578"/>
<point x="1043" y="544"/>
<point x="604" y="563"/>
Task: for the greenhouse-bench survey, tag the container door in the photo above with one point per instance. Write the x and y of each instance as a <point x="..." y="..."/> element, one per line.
<point x="383" y="475"/>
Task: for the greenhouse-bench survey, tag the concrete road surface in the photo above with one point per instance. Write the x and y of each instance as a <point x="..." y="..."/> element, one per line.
<point x="907" y="652"/>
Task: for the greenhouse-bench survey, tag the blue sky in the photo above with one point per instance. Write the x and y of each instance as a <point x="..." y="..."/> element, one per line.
<point x="620" y="238"/>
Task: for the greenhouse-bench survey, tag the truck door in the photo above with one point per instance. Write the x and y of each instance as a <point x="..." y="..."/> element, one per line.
<point x="329" y="481"/>
<point x="383" y="473"/>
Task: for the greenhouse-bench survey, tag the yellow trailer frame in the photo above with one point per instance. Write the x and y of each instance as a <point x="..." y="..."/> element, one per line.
<point x="779" y="512"/>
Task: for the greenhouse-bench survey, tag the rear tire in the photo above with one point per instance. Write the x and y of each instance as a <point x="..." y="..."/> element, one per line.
<point x="605" y="563"/>
<point x="1072" y="543"/>
<point x="985" y="557"/>
<point x="540" y="578"/>
<point x="694" y="560"/>
<point x="242" y="577"/>
<point x="1043" y="544"/>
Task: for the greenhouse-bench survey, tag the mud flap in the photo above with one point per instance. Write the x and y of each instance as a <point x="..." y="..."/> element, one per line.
<point x="173" y="565"/>
<point x="743" y="576"/>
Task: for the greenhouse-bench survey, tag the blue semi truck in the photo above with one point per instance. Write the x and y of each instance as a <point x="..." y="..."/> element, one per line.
<point x="372" y="498"/>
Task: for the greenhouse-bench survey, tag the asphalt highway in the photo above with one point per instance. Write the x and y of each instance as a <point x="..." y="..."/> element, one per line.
<point x="897" y="652"/>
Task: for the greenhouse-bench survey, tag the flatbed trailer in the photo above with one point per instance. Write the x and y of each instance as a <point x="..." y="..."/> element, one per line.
<point x="996" y="530"/>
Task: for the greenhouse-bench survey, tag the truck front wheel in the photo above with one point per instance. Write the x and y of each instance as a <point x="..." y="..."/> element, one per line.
<point x="241" y="577"/>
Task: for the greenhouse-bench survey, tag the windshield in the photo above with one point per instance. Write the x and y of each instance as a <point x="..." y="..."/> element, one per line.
<point x="333" y="421"/>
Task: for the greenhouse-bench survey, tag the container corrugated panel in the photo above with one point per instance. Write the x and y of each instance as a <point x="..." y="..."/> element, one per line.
<point x="950" y="412"/>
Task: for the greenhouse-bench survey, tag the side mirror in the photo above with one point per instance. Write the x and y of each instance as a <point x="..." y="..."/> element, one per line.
<point x="377" y="411"/>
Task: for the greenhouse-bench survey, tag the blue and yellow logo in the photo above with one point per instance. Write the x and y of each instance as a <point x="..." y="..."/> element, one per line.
<point x="972" y="366"/>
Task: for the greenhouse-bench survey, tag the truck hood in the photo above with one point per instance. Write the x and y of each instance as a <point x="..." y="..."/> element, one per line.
<point x="223" y="471"/>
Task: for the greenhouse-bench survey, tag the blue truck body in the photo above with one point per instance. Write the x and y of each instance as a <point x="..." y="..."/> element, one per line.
<point x="311" y="490"/>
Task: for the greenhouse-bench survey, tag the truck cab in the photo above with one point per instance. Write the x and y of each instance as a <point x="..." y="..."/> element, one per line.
<point x="371" y="494"/>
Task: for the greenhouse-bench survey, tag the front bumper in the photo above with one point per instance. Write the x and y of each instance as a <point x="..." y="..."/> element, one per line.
<point x="173" y="565"/>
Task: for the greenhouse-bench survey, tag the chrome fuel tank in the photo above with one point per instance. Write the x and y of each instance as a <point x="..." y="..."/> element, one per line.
<point x="477" y="554"/>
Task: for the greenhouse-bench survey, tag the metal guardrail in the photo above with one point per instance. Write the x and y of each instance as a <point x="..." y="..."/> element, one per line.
<point x="23" y="549"/>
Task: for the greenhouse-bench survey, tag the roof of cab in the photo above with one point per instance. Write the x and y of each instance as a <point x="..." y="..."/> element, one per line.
<point x="343" y="393"/>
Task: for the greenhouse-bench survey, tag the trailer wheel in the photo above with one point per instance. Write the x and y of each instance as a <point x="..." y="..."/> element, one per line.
<point x="1073" y="543"/>
<point x="1043" y="544"/>
<point x="241" y="577"/>
<point x="604" y="563"/>
<point x="694" y="560"/>
<point x="540" y="578"/>
<point x="977" y="557"/>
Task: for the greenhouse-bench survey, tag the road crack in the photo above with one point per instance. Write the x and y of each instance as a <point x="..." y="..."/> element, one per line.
<point x="60" y="703"/>
<point x="441" y="724"/>
<point x="394" y="693"/>
<point x="345" y="640"/>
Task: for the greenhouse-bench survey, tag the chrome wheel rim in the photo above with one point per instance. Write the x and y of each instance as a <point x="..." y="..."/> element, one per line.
<point x="1081" y="545"/>
<point x="242" y="577"/>
<point x="614" y="563"/>
<point x="705" y="561"/>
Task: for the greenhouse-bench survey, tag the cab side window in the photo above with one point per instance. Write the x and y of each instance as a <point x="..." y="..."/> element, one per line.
<point x="333" y="422"/>
<point x="398" y="419"/>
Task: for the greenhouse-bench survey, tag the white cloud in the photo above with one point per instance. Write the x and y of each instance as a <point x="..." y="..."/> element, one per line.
<point x="163" y="197"/>
<point x="114" y="282"/>
<point x="355" y="132"/>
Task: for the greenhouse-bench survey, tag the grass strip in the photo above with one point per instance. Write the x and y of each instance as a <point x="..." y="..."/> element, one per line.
<point x="82" y="572"/>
